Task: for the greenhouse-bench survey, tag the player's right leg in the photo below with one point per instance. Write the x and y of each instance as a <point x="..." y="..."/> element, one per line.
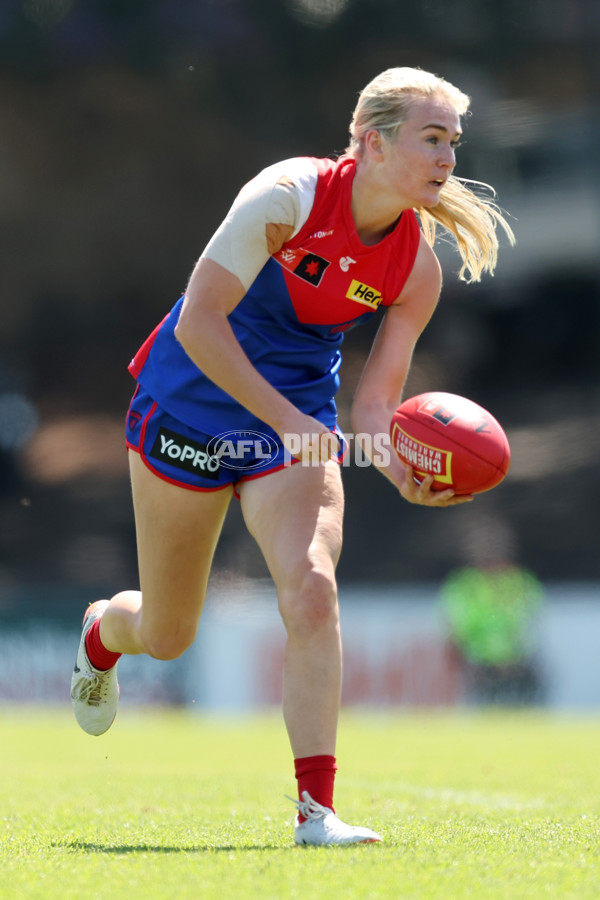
<point x="177" y="532"/>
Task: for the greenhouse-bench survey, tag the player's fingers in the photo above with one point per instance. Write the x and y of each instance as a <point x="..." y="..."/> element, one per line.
<point x="410" y="488"/>
<point x="449" y="498"/>
<point x="425" y="484"/>
<point x="318" y="447"/>
<point x="420" y="492"/>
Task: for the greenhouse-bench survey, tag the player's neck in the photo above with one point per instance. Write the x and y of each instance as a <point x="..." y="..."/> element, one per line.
<point x="375" y="214"/>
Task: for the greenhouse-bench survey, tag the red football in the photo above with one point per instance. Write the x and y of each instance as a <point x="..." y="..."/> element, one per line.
<point x="452" y="438"/>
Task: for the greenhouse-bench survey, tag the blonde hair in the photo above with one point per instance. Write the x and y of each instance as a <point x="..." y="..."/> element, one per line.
<point x="467" y="209"/>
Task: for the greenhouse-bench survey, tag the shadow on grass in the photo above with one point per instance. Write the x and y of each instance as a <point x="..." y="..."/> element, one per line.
<point x="150" y="848"/>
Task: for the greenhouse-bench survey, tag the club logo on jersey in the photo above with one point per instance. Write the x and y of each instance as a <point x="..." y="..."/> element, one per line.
<point x="305" y="265"/>
<point x="346" y="262"/>
<point x="184" y="453"/>
<point x="362" y="293"/>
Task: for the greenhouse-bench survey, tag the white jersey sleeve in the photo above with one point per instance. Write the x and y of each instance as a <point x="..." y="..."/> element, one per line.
<point x="281" y="194"/>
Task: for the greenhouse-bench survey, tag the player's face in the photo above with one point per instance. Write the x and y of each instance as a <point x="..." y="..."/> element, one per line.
<point x="422" y="157"/>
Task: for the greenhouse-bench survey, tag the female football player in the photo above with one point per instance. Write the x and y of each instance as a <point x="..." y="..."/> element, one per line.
<point x="235" y="395"/>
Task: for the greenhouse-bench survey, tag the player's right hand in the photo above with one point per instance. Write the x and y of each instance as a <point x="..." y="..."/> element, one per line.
<point x="310" y="441"/>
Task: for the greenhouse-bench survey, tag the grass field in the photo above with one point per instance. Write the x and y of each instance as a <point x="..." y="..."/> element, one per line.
<point x="174" y="805"/>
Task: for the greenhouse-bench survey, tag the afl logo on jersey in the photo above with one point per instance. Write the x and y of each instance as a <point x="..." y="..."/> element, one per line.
<point x="362" y="293"/>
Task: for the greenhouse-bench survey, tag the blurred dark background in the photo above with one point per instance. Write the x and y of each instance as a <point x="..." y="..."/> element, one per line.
<point x="126" y="130"/>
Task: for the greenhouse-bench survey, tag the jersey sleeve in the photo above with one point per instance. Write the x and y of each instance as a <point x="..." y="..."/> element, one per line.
<point x="281" y="194"/>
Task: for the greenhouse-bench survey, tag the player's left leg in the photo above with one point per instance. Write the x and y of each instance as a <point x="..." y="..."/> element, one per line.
<point x="295" y="515"/>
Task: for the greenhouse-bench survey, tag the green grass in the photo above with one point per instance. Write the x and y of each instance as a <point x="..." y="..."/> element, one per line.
<point x="173" y="805"/>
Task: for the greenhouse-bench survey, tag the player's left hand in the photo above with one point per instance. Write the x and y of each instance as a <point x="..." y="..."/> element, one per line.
<point x="421" y="493"/>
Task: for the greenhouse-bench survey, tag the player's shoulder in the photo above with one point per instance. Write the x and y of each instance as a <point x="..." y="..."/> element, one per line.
<point x="290" y="182"/>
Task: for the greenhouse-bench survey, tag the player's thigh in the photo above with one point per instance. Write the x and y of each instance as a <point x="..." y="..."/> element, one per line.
<point x="177" y="532"/>
<point x="296" y="517"/>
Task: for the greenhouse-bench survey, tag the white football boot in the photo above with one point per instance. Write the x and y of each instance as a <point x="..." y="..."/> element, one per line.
<point x="322" y="826"/>
<point x="94" y="692"/>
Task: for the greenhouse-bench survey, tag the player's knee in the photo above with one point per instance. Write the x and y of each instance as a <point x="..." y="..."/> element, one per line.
<point x="308" y="601"/>
<point x="166" y="646"/>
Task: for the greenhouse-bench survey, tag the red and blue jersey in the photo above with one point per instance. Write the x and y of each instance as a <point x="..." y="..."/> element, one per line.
<point x="292" y="320"/>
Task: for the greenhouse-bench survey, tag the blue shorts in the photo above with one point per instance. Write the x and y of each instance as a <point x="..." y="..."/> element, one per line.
<point x="202" y="462"/>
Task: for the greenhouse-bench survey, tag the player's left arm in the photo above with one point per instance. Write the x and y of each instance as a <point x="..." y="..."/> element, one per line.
<point x="379" y="392"/>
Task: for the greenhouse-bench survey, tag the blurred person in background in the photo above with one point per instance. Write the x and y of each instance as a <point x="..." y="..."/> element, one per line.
<point x="490" y="607"/>
<point x="310" y="248"/>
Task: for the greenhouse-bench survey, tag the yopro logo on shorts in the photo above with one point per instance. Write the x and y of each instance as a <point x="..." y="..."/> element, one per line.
<point x="186" y="454"/>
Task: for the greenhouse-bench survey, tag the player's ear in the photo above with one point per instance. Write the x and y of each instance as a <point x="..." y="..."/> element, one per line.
<point x="374" y="147"/>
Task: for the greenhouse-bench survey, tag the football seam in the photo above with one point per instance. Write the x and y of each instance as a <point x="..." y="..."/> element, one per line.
<point x="479" y="487"/>
<point x="462" y="446"/>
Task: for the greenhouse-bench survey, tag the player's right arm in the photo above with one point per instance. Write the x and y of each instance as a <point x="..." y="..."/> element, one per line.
<point x="238" y="251"/>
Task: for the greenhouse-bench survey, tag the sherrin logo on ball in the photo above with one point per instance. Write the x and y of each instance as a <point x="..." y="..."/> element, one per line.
<point x="452" y="438"/>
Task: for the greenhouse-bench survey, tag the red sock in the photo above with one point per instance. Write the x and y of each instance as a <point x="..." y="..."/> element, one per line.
<point x="316" y="774"/>
<point x="98" y="655"/>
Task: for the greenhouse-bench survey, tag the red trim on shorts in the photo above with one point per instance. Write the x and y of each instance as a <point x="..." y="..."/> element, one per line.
<point x="144" y="458"/>
<point x="191" y="487"/>
<point x="345" y="448"/>
<point x="181" y="484"/>
<point x="261" y="475"/>
<point x="144" y="425"/>
<point x="285" y="465"/>
<point x="292" y="462"/>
